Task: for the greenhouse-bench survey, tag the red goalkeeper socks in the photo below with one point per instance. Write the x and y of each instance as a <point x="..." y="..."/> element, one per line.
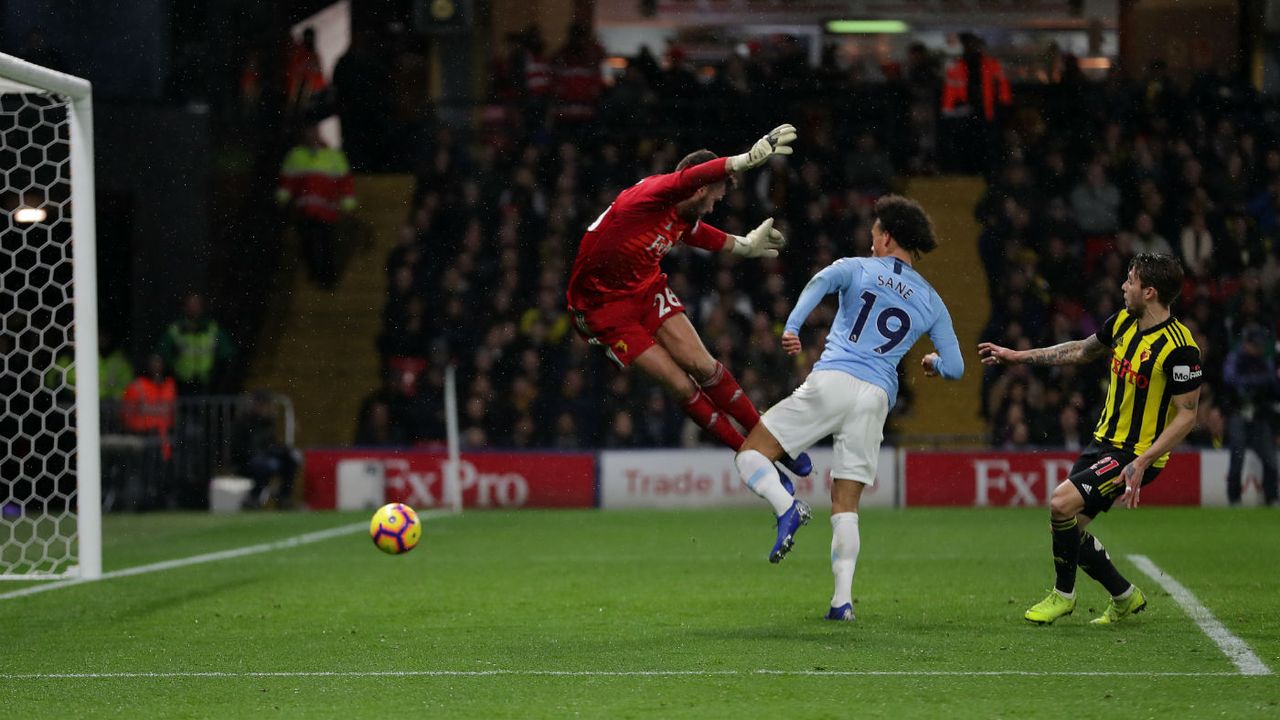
<point x="729" y="396"/>
<point x="708" y="417"/>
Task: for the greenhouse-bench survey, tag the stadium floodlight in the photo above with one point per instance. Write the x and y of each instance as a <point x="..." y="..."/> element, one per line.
<point x="28" y="215"/>
<point x="867" y="27"/>
<point x="50" y="479"/>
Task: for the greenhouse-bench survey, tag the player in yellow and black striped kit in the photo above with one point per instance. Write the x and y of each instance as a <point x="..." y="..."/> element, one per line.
<point x="1150" y="407"/>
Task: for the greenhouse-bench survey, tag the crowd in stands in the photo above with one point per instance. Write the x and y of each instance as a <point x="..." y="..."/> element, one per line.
<point x="1105" y="171"/>
<point x="1081" y="176"/>
<point x="479" y="276"/>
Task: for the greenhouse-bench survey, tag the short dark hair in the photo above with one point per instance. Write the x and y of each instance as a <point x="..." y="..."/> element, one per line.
<point x="1159" y="271"/>
<point x="697" y="157"/>
<point x="906" y="222"/>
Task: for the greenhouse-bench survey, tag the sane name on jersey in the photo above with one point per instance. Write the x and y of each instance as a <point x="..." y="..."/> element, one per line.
<point x="896" y="285"/>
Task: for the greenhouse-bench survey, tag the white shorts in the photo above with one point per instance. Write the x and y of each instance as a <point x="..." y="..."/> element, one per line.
<point x="834" y="403"/>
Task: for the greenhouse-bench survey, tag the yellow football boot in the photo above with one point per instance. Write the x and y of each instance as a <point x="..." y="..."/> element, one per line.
<point x="1051" y="608"/>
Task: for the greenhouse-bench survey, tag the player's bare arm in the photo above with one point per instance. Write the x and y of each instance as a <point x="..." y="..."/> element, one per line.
<point x="1183" y="422"/>
<point x="1072" y="352"/>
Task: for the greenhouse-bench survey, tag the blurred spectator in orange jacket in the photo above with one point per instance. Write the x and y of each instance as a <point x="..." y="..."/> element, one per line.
<point x="147" y="407"/>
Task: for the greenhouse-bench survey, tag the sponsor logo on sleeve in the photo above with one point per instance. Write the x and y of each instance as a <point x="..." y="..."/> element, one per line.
<point x="1184" y="373"/>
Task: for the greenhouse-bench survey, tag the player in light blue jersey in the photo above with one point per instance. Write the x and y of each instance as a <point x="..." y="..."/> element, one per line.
<point x="885" y="306"/>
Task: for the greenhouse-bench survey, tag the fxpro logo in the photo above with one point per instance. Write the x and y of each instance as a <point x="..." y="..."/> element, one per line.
<point x="1125" y="370"/>
<point x="998" y="481"/>
<point x="421" y="483"/>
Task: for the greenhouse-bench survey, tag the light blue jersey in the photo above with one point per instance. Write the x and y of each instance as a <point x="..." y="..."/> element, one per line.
<point x="885" y="306"/>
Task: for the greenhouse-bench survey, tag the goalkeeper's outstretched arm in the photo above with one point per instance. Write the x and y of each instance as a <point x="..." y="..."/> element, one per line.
<point x="764" y="241"/>
<point x="777" y="142"/>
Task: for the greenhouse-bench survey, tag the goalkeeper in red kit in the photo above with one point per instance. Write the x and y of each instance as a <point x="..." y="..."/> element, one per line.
<point x="620" y="301"/>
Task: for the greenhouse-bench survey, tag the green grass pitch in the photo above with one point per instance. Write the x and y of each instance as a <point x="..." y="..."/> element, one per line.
<point x="558" y="613"/>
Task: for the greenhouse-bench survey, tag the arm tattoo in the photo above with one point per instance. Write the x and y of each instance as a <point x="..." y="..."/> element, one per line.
<point x="1067" y="353"/>
<point x="1190" y="404"/>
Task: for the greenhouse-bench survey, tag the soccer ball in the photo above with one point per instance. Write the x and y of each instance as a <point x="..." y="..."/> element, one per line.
<point x="395" y="528"/>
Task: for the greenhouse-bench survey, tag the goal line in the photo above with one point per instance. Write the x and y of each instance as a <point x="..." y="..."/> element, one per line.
<point x="605" y="674"/>
<point x="295" y="541"/>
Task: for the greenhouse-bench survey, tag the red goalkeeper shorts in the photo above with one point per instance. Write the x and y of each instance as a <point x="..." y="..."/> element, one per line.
<point x="624" y="328"/>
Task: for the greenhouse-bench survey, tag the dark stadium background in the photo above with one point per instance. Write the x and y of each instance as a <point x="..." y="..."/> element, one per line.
<point x="473" y="192"/>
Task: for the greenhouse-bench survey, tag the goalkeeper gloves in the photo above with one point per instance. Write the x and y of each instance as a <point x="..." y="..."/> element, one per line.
<point x="764" y="241"/>
<point x="777" y="142"/>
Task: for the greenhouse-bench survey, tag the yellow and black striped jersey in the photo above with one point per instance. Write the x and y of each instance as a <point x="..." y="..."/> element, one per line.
<point x="1148" y="368"/>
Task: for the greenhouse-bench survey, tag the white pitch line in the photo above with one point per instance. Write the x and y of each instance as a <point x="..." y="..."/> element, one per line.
<point x="1232" y="646"/>
<point x="304" y="539"/>
<point x="603" y="673"/>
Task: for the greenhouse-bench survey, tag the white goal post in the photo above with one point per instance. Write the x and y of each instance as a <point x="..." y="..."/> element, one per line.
<point x="50" y="476"/>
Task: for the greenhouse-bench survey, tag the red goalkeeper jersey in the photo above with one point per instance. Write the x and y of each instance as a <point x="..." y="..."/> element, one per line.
<point x="620" y="252"/>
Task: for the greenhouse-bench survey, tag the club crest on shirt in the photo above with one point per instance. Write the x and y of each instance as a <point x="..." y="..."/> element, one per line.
<point x="620" y="346"/>
<point x="1145" y="355"/>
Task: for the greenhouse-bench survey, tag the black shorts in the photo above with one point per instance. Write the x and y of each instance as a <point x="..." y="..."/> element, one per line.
<point x="1096" y="475"/>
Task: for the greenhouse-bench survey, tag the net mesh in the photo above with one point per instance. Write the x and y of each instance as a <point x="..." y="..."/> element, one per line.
<point x="37" y="371"/>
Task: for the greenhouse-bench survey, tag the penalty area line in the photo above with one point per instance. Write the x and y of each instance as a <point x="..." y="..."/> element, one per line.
<point x="603" y="673"/>
<point x="295" y="541"/>
<point x="1228" y="642"/>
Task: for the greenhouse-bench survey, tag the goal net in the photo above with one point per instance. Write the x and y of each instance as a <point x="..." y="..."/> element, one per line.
<point x="50" y="507"/>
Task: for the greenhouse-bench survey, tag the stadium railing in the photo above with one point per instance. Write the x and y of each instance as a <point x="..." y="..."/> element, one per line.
<point x="149" y="470"/>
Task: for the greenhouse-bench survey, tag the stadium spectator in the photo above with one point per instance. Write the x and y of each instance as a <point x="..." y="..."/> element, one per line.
<point x="412" y="116"/>
<point x="974" y="96"/>
<point x="1252" y="389"/>
<point x="362" y="96"/>
<point x="317" y="188"/>
<point x="1264" y="206"/>
<point x="1143" y="239"/>
<point x="622" y="431"/>
<point x="304" y="78"/>
<point x="870" y="169"/>
<point x="566" y="435"/>
<point x="198" y="349"/>
<point x="1067" y="433"/>
<point x="258" y="453"/>
<point x="149" y="401"/>
<point x="378" y="429"/>
<point x="549" y="315"/>
<point x="1197" y="246"/>
<point x="147" y="409"/>
<point x="115" y="372"/>
<point x="656" y="424"/>
<point x="1096" y="202"/>
<point x="576" y="81"/>
<point x="537" y="76"/>
<point x="924" y="85"/>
